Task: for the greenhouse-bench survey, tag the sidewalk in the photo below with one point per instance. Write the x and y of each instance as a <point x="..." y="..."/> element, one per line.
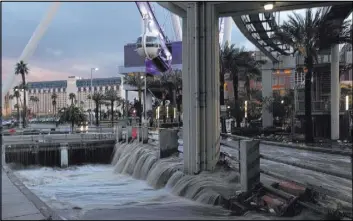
<point x="14" y="204"/>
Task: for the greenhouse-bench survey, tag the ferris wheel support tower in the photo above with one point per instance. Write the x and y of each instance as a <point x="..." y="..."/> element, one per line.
<point x="31" y="45"/>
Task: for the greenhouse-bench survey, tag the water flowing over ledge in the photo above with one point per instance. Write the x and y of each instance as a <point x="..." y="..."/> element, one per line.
<point x="141" y="161"/>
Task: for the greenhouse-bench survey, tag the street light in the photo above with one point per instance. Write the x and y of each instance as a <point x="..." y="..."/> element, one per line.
<point x="144" y="97"/>
<point x="90" y="100"/>
<point x="268" y="6"/>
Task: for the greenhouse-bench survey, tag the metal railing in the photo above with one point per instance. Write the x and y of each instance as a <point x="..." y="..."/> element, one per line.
<point x="318" y="106"/>
<point x="56" y="138"/>
<point x="326" y="59"/>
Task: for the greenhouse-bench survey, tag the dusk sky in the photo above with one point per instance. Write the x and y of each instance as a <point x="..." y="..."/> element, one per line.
<point x="81" y="36"/>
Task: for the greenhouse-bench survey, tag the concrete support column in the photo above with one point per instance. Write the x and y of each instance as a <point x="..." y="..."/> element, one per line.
<point x="119" y="133"/>
<point x="64" y="155"/>
<point x="266" y="75"/>
<point x="148" y="101"/>
<point x="3" y="155"/>
<point x="335" y="92"/>
<point x="200" y="87"/>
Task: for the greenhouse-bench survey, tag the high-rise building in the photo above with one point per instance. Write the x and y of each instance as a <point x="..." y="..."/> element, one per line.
<point x="44" y="90"/>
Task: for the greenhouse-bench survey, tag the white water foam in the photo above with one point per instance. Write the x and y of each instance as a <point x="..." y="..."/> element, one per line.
<point x="141" y="161"/>
<point x="105" y="192"/>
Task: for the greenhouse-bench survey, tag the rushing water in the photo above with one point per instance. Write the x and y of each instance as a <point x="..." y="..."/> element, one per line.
<point x="136" y="186"/>
<point x="96" y="192"/>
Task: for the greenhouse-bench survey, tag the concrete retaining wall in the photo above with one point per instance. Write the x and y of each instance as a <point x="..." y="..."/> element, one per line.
<point x="46" y="154"/>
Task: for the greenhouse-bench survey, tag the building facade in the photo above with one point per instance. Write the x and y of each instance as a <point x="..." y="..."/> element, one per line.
<point x="44" y="90"/>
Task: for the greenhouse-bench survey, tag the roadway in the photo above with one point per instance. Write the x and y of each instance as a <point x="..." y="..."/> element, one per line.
<point x="330" y="162"/>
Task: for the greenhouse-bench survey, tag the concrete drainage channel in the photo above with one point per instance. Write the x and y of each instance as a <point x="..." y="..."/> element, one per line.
<point x="43" y="208"/>
<point x="280" y="198"/>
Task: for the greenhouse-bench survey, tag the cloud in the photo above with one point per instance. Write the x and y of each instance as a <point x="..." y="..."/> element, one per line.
<point x="81" y="35"/>
<point x="55" y="52"/>
<point x="36" y="72"/>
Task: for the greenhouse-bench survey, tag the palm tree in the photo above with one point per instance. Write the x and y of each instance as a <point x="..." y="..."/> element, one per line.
<point x="232" y="61"/>
<point x="97" y="98"/>
<point x="73" y="115"/>
<point x="172" y="82"/>
<point x="307" y="35"/>
<point x="36" y="100"/>
<point x="22" y="69"/>
<point x="54" y="96"/>
<point x="111" y="96"/>
<point x="107" y="105"/>
<point x="72" y="97"/>
<point x="82" y="103"/>
<point x="139" y="82"/>
<point x="32" y="99"/>
<point x="17" y="95"/>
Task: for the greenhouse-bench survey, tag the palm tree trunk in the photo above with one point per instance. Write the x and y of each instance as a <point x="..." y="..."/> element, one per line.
<point x="179" y="101"/>
<point x="96" y="111"/>
<point x="308" y="119"/>
<point x="123" y="106"/>
<point x="111" y="111"/>
<point x="221" y="102"/>
<point x="100" y="112"/>
<point x="236" y="97"/>
<point x="18" y="111"/>
<point x="24" y="100"/>
<point x="72" y="126"/>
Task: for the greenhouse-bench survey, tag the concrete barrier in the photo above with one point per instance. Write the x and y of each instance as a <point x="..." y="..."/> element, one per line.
<point x="143" y="131"/>
<point x="168" y="142"/>
<point x="249" y="164"/>
<point x="118" y="133"/>
<point x="64" y="155"/>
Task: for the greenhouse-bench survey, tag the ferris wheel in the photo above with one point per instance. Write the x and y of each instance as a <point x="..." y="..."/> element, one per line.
<point x="153" y="44"/>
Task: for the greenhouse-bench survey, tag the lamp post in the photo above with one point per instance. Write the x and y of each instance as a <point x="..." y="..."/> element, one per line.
<point x="90" y="100"/>
<point x="145" y="96"/>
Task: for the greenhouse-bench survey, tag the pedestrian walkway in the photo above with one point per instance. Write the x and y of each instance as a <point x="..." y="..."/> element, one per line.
<point x="14" y="204"/>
